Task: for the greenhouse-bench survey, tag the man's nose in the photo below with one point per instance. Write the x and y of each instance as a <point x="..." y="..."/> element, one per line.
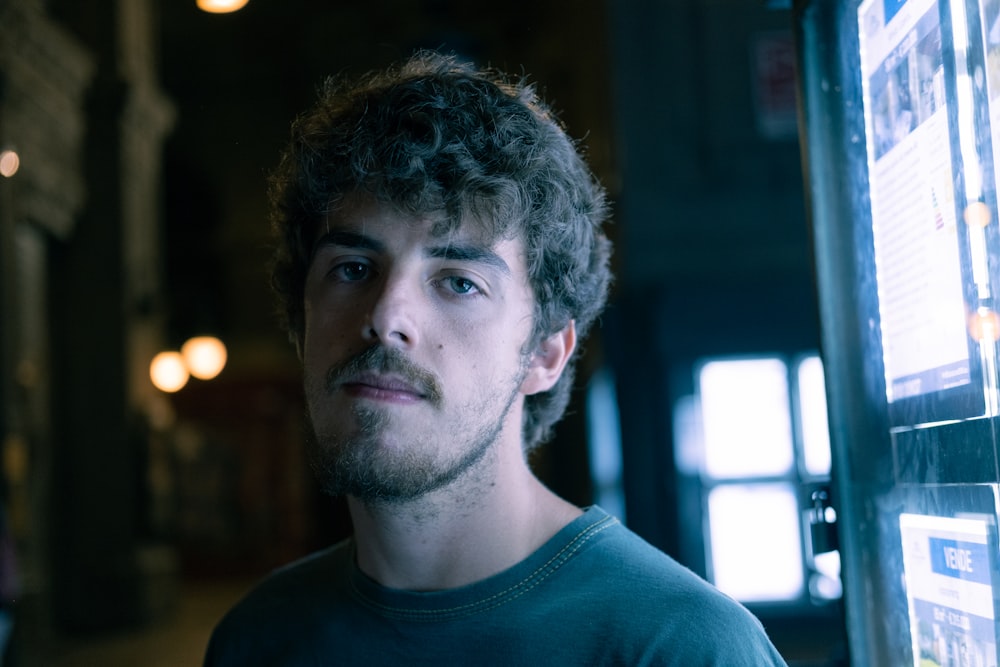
<point x="392" y="320"/>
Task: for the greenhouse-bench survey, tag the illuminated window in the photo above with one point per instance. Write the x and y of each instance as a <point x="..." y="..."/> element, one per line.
<point x="754" y="440"/>
<point x="812" y="413"/>
<point x="746" y="418"/>
<point x="756" y="544"/>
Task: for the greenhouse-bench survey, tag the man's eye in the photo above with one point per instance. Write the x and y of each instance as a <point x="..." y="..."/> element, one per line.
<point x="460" y="285"/>
<point x="351" y="271"/>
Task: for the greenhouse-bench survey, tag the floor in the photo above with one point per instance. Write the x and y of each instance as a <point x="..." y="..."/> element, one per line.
<point x="178" y="640"/>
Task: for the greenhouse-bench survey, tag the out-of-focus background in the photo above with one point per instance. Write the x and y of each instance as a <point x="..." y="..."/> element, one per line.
<point x="136" y="219"/>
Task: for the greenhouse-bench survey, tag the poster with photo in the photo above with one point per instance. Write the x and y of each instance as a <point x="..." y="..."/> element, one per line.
<point x="918" y="256"/>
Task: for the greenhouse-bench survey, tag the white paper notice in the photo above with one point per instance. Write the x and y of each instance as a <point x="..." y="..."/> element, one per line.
<point x="917" y="259"/>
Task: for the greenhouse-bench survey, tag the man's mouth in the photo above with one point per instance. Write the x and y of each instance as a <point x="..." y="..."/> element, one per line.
<point x="382" y="374"/>
<point x="378" y="387"/>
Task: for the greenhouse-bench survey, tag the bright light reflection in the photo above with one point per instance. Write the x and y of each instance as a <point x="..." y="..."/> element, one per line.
<point x="755" y="543"/>
<point x="10" y="162"/>
<point x="984" y="325"/>
<point x="168" y="372"/>
<point x="745" y="417"/>
<point x="825" y="584"/>
<point x="204" y="356"/>
<point x="221" y="6"/>
<point x="812" y="410"/>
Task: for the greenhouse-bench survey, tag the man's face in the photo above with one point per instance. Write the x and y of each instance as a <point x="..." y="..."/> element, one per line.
<point x="413" y="351"/>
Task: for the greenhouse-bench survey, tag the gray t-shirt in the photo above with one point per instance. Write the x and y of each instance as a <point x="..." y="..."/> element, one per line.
<point x="595" y="594"/>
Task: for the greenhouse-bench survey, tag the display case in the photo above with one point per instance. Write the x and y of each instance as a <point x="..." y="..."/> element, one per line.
<point x="898" y="126"/>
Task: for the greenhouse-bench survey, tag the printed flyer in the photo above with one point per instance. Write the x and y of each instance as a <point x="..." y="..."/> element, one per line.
<point x="917" y="249"/>
<point x="948" y="565"/>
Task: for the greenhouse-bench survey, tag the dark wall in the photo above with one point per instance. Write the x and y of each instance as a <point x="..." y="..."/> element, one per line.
<point x="714" y="252"/>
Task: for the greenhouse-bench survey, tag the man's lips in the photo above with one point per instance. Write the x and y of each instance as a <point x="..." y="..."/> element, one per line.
<point x="384" y="374"/>
<point x="382" y="388"/>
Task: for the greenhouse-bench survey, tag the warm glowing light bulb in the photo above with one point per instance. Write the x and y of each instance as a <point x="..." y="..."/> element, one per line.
<point x="221" y="6"/>
<point x="204" y="356"/>
<point x="9" y="163"/>
<point x="168" y="372"/>
<point x="984" y="325"/>
<point x="977" y="214"/>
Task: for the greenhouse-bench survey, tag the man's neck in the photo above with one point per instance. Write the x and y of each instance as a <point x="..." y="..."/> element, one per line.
<point x="461" y="534"/>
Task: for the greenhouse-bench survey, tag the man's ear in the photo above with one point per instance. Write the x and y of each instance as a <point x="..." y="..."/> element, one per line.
<point x="548" y="360"/>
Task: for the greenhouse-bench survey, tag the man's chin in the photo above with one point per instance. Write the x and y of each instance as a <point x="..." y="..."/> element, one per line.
<point x="372" y="486"/>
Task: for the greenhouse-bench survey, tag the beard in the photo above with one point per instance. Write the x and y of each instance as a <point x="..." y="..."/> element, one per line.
<point x="353" y="459"/>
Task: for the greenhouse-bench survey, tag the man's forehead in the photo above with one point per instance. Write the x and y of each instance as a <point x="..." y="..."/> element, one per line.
<point x="356" y="212"/>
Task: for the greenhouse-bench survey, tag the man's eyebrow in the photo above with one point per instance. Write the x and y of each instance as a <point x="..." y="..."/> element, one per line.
<point x="470" y="253"/>
<point x="460" y="252"/>
<point x="340" y="237"/>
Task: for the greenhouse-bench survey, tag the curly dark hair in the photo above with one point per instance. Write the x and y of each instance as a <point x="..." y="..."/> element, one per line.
<point x="435" y="134"/>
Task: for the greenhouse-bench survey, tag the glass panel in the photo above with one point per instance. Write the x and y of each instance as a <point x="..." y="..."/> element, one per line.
<point x="812" y="412"/>
<point x="755" y="543"/>
<point x="746" y="418"/>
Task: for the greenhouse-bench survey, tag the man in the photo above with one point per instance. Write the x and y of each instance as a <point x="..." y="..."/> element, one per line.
<point x="441" y="257"/>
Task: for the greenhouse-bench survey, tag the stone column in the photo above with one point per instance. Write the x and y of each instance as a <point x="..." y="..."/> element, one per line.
<point x="44" y="73"/>
<point x="92" y="119"/>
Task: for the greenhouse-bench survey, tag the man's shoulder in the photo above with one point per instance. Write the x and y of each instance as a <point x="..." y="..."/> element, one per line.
<point x="642" y="573"/>
<point x="283" y="604"/>
<point x="317" y="571"/>
<point x="641" y="593"/>
<point x="630" y="560"/>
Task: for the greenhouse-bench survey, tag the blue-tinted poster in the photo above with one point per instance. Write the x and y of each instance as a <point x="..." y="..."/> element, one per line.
<point x="922" y="309"/>
<point x="948" y="568"/>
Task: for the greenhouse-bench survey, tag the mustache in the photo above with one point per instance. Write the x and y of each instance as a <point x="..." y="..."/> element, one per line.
<point x="385" y="360"/>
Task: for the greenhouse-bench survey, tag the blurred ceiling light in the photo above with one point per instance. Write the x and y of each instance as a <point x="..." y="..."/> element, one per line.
<point x="204" y="356"/>
<point x="221" y="6"/>
<point x="9" y="163"/>
<point x="168" y="372"/>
